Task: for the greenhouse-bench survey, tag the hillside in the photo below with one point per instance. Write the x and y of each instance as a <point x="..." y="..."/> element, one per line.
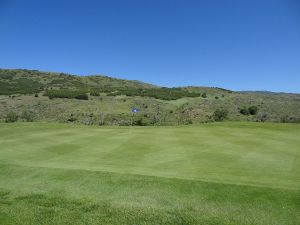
<point x="31" y="95"/>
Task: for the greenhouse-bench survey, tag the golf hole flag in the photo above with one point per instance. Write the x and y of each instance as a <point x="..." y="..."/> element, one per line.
<point x="135" y="110"/>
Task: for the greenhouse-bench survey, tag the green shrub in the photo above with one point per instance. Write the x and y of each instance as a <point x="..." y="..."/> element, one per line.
<point x="95" y="93"/>
<point x="289" y="119"/>
<point x="82" y="96"/>
<point x="72" y="119"/>
<point x="220" y="114"/>
<point x="66" y="94"/>
<point x="204" y="95"/>
<point x="263" y="117"/>
<point x="244" y="111"/>
<point x="253" y="110"/>
<point x="28" y="116"/>
<point x="11" y="117"/>
<point x="158" y="93"/>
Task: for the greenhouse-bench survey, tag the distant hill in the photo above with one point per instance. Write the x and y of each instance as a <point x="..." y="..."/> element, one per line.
<point x="32" y="95"/>
<point x="30" y="81"/>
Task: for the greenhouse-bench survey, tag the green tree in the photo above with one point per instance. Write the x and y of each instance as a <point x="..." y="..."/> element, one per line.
<point x="244" y="111"/>
<point x="253" y="110"/>
<point x="220" y="114"/>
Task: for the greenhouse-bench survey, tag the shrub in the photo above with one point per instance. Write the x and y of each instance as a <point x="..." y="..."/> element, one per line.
<point x="244" y="111"/>
<point x="72" y="119"/>
<point x="36" y="95"/>
<point x="27" y="116"/>
<point x="220" y="114"/>
<point x="158" y="93"/>
<point x="253" y="110"/>
<point x="11" y="117"/>
<point x="82" y="96"/>
<point x="95" y="93"/>
<point x="263" y="117"/>
<point x="66" y="94"/>
<point x="289" y="119"/>
<point x="204" y="95"/>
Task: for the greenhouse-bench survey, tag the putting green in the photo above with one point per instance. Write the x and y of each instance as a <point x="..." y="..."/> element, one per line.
<point x="254" y="154"/>
<point x="231" y="172"/>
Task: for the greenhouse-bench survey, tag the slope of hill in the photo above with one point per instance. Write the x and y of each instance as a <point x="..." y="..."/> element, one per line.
<point x="31" y="95"/>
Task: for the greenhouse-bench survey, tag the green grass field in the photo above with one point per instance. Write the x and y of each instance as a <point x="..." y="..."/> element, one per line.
<point x="214" y="174"/>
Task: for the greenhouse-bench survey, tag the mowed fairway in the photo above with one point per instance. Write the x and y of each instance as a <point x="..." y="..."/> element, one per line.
<point x="219" y="173"/>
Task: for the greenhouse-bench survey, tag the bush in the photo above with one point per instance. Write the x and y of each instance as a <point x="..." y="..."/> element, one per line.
<point x="66" y="94"/>
<point x="72" y="119"/>
<point x="95" y="93"/>
<point x="220" y="114"/>
<point x="204" y="95"/>
<point x="36" y="95"/>
<point x="253" y="110"/>
<point x="263" y="117"/>
<point x="289" y="119"/>
<point x="244" y="111"/>
<point x="158" y="93"/>
<point x="11" y="117"/>
<point x="82" y="96"/>
<point x="27" y="116"/>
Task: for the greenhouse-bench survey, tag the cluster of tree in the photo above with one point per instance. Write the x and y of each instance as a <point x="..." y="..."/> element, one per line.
<point x="158" y="93"/>
<point x="252" y="110"/>
<point x="19" y="86"/>
<point x="66" y="94"/>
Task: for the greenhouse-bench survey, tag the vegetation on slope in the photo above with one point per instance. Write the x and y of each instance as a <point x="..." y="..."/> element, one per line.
<point x="32" y="81"/>
<point x="24" y="93"/>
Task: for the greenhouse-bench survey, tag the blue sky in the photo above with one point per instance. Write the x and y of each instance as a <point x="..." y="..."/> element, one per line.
<point x="235" y="44"/>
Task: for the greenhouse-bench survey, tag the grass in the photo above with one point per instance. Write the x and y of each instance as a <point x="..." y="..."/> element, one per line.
<point x="221" y="173"/>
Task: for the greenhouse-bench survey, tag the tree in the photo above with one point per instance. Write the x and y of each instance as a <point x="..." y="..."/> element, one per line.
<point x="253" y="110"/>
<point x="220" y="114"/>
<point x="244" y="111"/>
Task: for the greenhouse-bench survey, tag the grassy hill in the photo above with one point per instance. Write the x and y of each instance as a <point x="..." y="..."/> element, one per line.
<point x="31" y="95"/>
<point x="218" y="173"/>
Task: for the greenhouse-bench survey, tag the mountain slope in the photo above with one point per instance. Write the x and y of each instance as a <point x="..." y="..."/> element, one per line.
<point x="30" y="95"/>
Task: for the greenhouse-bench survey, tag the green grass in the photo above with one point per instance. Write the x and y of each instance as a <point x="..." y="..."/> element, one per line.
<point x="221" y="173"/>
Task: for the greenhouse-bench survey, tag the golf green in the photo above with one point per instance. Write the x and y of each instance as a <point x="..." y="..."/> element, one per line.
<point x="218" y="173"/>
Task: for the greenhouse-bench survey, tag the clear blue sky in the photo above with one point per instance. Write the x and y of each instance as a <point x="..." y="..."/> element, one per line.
<point x="235" y="44"/>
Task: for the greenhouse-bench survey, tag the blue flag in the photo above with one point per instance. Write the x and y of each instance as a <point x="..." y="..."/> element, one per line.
<point x="135" y="110"/>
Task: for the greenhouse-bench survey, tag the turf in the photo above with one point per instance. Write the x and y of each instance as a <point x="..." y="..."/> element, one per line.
<point x="221" y="173"/>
